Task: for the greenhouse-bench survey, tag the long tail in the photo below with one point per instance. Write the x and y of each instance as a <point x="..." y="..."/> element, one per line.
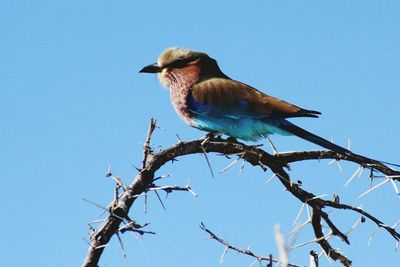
<point x="295" y="130"/>
<point x="306" y="135"/>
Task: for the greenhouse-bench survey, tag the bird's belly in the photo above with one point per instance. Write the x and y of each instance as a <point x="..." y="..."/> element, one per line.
<point x="178" y="100"/>
<point x="249" y="129"/>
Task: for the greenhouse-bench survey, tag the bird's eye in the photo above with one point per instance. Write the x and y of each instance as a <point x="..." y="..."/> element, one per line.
<point x="180" y="63"/>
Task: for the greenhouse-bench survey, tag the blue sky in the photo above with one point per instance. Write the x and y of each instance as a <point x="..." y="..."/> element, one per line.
<point x="73" y="103"/>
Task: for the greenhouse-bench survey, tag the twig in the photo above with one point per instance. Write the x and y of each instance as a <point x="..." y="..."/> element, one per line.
<point x="169" y="189"/>
<point x="321" y="240"/>
<point x="239" y="250"/>
<point x="146" y="147"/>
<point x="132" y="226"/>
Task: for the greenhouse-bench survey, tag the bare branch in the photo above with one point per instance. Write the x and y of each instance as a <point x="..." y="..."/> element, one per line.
<point x="332" y="253"/>
<point x="144" y="180"/>
<point x="239" y="250"/>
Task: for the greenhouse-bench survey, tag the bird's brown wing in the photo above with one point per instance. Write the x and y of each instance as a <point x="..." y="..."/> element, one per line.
<point x="227" y="93"/>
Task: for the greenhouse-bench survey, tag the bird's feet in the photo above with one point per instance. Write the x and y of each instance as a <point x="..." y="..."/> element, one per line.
<point x="210" y="136"/>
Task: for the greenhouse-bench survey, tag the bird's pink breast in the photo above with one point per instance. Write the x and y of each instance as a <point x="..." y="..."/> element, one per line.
<point x="180" y="83"/>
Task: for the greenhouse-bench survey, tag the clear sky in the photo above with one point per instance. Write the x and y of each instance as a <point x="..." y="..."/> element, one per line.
<point x="73" y="103"/>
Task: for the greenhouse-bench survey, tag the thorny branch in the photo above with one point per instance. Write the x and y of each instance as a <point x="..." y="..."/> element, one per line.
<point x="240" y="250"/>
<point x="144" y="181"/>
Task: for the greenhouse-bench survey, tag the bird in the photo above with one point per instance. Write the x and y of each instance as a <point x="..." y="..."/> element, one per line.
<point x="207" y="99"/>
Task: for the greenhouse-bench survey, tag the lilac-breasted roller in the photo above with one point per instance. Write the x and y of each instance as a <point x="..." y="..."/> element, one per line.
<point x="207" y="99"/>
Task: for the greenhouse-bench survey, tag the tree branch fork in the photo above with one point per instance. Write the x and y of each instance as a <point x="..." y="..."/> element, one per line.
<point x="118" y="210"/>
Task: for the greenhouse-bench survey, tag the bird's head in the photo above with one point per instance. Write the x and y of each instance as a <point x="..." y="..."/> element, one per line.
<point x="179" y="66"/>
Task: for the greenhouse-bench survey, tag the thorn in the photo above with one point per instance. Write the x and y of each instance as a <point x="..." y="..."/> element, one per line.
<point x="326" y="237"/>
<point x="136" y="168"/>
<point x="161" y="177"/>
<point x="208" y="163"/>
<point x="395" y="187"/>
<point x="179" y="139"/>
<point x="316" y="197"/>
<point x="336" y="198"/>
<point x="339" y="165"/>
<point x="327" y="257"/>
<point x="162" y="204"/>
<point x="373" y="188"/>
<point x="191" y="191"/>
<point x="254" y="262"/>
<point x="282" y="249"/>
<point x="298" y="228"/>
<point x="123" y="249"/>
<point x="309" y="213"/>
<point x="223" y="255"/>
<point x="331" y="162"/>
<point x="357" y="172"/>
<point x="270" y="179"/>
<point x="299" y="213"/>
<point x="262" y="165"/>
<point x="205" y="154"/>
<point x="394" y="226"/>
<point x="274" y="150"/>
<point x="349" y="143"/>
<point x="313" y="259"/>
<point x="95" y="204"/>
<point x="360" y="220"/>
<point x="108" y="174"/>
<point x="373" y="235"/>
<point x="96" y="221"/>
<point x="145" y="202"/>
<point x="242" y="167"/>
<point x="240" y="157"/>
<point x="86" y="241"/>
<point x="270" y="261"/>
<point x="230" y="165"/>
<point x="371" y="174"/>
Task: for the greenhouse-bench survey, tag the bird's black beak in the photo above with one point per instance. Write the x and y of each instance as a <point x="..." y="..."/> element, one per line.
<point x="153" y="68"/>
